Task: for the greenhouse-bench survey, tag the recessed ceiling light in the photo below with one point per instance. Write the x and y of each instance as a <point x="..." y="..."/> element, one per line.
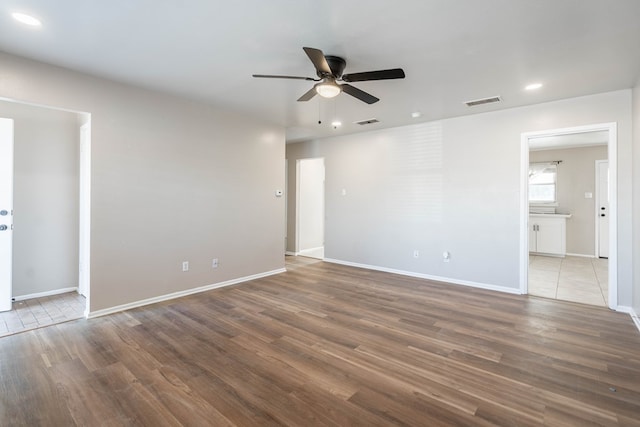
<point x="416" y="114"/>
<point x="26" y="19"/>
<point x="533" y="86"/>
<point x="336" y="124"/>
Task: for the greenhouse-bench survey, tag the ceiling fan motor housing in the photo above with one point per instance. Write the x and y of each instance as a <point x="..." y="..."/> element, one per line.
<point x="336" y="64"/>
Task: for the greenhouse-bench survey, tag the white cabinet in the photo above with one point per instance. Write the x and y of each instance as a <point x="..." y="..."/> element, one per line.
<point x="547" y="234"/>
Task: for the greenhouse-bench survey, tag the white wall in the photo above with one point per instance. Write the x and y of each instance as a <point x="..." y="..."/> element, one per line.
<point x="311" y="204"/>
<point x="45" y="237"/>
<point x="453" y="185"/>
<point x="172" y="180"/>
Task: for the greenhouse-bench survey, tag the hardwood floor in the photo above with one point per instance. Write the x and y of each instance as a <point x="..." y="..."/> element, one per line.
<point x="331" y="345"/>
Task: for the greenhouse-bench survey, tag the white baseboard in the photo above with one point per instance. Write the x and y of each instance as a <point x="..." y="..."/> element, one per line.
<point x="317" y="252"/>
<point x="581" y="255"/>
<point x="291" y="253"/>
<point x="624" y="309"/>
<point x="631" y="312"/>
<point x="428" y="277"/>
<point x="45" y="294"/>
<point x="634" y="317"/>
<point x="179" y="294"/>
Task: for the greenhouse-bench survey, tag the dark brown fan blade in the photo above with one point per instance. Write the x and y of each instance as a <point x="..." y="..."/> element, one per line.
<point x="308" y="95"/>
<point x="269" y="76"/>
<point x="395" y="73"/>
<point x="360" y="94"/>
<point x="319" y="61"/>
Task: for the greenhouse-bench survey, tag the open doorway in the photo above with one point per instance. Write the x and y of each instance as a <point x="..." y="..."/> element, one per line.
<point x="310" y="207"/>
<point x="564" y="233"/>
<point x="48" y="279"/>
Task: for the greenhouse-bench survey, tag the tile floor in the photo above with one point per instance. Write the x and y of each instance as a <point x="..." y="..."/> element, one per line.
<point x="577" y="279"/>
<point x="38" y="312"/>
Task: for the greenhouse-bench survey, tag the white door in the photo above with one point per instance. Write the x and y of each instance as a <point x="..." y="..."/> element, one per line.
<point x="602" y="200"/>
<point x="6" y="212"/>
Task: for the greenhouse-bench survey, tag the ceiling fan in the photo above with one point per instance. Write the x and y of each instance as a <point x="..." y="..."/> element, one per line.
<point x="329" y="70"/>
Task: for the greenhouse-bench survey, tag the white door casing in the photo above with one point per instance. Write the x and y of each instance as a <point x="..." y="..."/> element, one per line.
<point x="6" y="212"/>
<point x="84" y="265"/>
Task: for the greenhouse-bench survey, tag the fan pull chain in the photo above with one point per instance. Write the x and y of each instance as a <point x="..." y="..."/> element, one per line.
<point x="319" y="121"/>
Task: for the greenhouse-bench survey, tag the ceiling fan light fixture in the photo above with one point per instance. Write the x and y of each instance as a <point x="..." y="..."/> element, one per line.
<point x="328" y="89"/>
<point x="26" y="19"/>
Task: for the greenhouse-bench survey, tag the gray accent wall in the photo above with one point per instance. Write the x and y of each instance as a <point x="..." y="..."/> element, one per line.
<point x="576" y="176"/>
<point x="172" y="180"/>
<point x="45" y="236"/>
<point x="452" y="185"/>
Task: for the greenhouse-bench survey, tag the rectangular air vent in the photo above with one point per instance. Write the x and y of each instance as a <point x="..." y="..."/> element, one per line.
<point x="367" y="122"/>
<point x="483" y="101"/>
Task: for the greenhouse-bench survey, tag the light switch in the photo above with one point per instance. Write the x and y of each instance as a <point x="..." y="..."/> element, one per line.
<point x="344" y="192"/>
<point x="588" y="195"/>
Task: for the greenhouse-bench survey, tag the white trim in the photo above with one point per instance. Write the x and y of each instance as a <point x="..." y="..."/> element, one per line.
<point x="624" y="309"/>
<point x="45" y="294"/>
<point x="634" y="317"/>
<point x="581" y="255"/>
<point x="317" y="253"/>
<point x="296" y="247"/>
<point x="180" y="294"/>
<point x="427" y="276"/>
<point x="612" y="146"/>
<point x="524" y="214"/>
<point x="291" y="253"/>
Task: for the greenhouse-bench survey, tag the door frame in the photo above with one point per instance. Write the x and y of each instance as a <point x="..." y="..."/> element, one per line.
<point x="612" y="150"/>
<point x="84" y="217"/>
<point x="84" y="120"/>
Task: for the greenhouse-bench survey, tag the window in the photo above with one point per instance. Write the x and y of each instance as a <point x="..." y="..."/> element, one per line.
<point x="542" y="182"/>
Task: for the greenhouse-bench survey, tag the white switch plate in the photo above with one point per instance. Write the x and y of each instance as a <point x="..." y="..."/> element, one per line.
<point x="588" y="195"/>
<point x="185" y="265"/>
<point x="214" y="263"/>
<point x="416" y="253"/>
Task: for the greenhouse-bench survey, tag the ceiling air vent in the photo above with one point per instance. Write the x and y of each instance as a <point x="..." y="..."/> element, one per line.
<point x="367" y="122"/>
<point x="483" y="101"/>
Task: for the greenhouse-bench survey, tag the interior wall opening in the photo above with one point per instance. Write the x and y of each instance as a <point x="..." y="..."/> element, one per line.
<point x="50" y="244"/>
<point x="569" y="212"/>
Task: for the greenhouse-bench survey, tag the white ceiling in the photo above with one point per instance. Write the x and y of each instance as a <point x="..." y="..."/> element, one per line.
<point x="452" y="51"/>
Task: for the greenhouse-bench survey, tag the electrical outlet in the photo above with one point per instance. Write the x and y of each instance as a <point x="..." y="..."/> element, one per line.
<point x="416" y="253"/>
<point x="214" y="263"/>
<point x="185" y="265"/>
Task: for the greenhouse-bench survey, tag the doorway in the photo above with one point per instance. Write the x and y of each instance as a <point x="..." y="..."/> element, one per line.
<point x="50" y="247"/>
<point x="310" y="207"/>
<point x="579" y="273"/>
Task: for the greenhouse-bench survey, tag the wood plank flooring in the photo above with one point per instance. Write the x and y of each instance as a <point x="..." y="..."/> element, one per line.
<point x="329" y="345"/>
